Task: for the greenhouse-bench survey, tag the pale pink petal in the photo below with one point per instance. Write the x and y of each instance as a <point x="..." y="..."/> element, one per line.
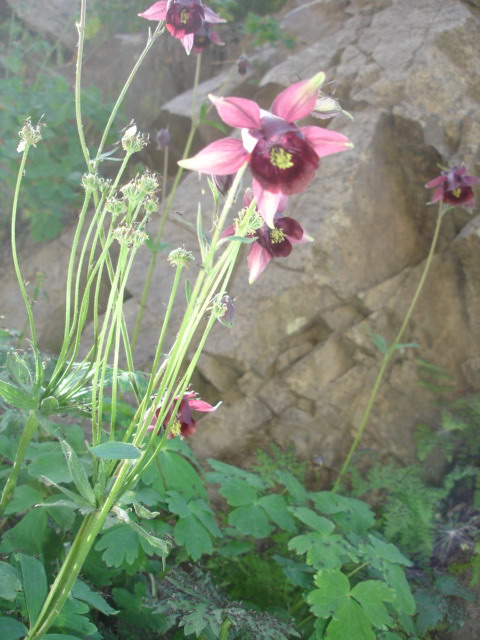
<point x="282" y="205"/>
<point x="201" y="405"/>
<point x="211" y="16"/>
<point x="267" y="202"/>
<point x="303" y="240"/>
<point x="238" y="112"/>
<point x="157" y="11"/>
<point x="214" y="37"/>
<point x="298" y="101"/>
<point x="258" y="258"/>
<point x="221" y="157"/>
<point x="249" y="141"/>
<point x="436" y="181"/>
<point x="325" y="141"/>
<point x="187" y="42"/>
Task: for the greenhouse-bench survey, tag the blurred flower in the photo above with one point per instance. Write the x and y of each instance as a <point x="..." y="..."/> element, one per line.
<point x="163" y="139"/>
<point x="244" y="65"/>
<point x="271" y="242"/>
<point x="184" y="18"/>
<point x="454" y="187"/>
<point x="204" y="36"/>
<point x="223" y="183"/>
<point x="327" y="106"/>
<point x="283" y="158"/>
<point x="183" y="424"/>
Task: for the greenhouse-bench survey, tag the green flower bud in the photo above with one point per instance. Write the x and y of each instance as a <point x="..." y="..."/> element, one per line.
<point x="180" y="257"/>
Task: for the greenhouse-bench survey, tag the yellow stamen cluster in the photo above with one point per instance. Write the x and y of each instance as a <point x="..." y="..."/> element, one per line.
<point x="281" y="158"/>
<point x="184" y="16"/>
<point x="176" y="428"/>
<point x="457" y="192"/>
<point x="276" y="235"/>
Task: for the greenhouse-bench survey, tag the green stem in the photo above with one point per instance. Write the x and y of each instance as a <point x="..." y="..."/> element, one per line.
<point x="225" y="628"/>
<point x="390" y="351"/>
<point x="150" y="41"/>
<point x="167" y="207"/>
<point x="78" y="82"/>
<point x="28" y="431"/>
<point x="28" y="306"/>
<point x="362" y="566"/>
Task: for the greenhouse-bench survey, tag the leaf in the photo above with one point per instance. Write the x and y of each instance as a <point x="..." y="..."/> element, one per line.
<point x="241" y="239"/>
<point x="16" y="397"/>
<point x="293" y="486"/>
<point x="224" y="471"/>
<point x="350" y="623"/>
<point x="191" y="533"/>
<point x="18" y="369"/>
<point x="432" y="608"/>
<point x="238" y="492"/>
<point x="177" y="504"/>
<point x="313" y="520"/>
<point x="120" y="545"/>
<point x="10" y="582"/>
<point x="379" y="342"/>
<point x="395" y="578"/>
<point x="82" y="591"/>
<point x="188" y="291"/>
<point x="277" y="509"/>
<point x="179" y="474"/>
<point x="201" y="510"/>
<point x="73" y="497"/>
<point x="51" y="464"/>
<point x="298" y="573"/>
<point x="20" y="538"/>
<point x="217" y="125"/>
<point x="34" y="585"/>
<point x="333" y="588"/>
<point x="79" y="475"/>
<point x="250" y="520"/>
<point x="24" y="497"/>
<point x="388" y="551"/>
<point x="11" y="629"/>
<point x="371" y="594"/>
<point x="348" y="513"/>
<point x="116" y="451"/>
<point x="448" y="586"/>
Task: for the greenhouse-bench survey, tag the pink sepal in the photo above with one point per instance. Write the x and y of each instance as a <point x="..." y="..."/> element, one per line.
<point x="201" y="405"/>
<point x="157" y="11"/>
<point x="267" y="202"/>
<point x="298" y="101"/>
<point x="214" y="37"/>
<point x="221" y="157"/>
<point x="258" y="258"/>
<point x="325" y="141"/>
<point x="211" y="16"/>
<point x="238" y="112"/>
<point x="187" y="42"/>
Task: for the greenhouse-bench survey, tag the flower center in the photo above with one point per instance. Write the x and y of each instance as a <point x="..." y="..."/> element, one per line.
<point x="184" y="16"/>
<point x="176" y="428"/>
<point x="457" y="192"/>
<point x="281" y="158"/>
<point x="276" y="235"/>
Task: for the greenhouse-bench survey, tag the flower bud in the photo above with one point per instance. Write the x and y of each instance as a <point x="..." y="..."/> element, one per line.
<point x="147" y="183"/>
<point x="163" y="139"/>
<point x="104" y="186"/>
<point x="90" y="181"/>
<point x="151" y="206"/>
<point x="115" y="206"/>
<point x="133" y="141"/>
<point x="29" y="135"/>
<point x="130" y="236"/>
<point x="180" y="257"/>
<point x="244" y="65"/>
<point x="327" y="106"/>
<point x="130" y="191"/>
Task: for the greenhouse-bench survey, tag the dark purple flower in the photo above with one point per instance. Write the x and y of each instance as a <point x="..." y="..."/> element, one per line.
<point x="454" y="187"/>
<point x="244" y="65"/>
<point x="204" y="36"/>
<point x="283" y="158"/>
<point x="184" y="18"/>
<point x="163" y="139"/>
<point x="183" y="424"/>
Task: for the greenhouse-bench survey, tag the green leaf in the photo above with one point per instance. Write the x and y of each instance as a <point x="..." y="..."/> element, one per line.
<point x="34" y="585"/>
<point x="432" y="608"/>
<point x="20" y="538"/>
<point x="250" y="520"/>
<point x="388" y="551"/>
<point x="350" y="623"/>
<point x="293" y="486"/>
<point x="82" y="591"/>
<point x="16" y="397"/>
<point x="333" y="588"/>
<point x="177" y="504"/>
<point x="277" y="509"/>
<point x="395" y="578"/>
<point x="179" y="474"/>
<point x="224" y="471"/>
<point x="188" y="291"/>
<point x="161" y="546"/>
<point x="116" y="451"/>
<point x="60" y="636"/>
<point x="51" y="464"/>
<point x="371" y="594"/>
<point x="73" y="497"/>
<point x="241" y="239"/>
<point x="24" y="497"/>
<point x="11" y="629"/>
<point x="79" y="475"/>
<point x="238" y="492"/>
<point x="348" y="513"/>
<point x="379" y="342"/>
<point x="298" y="573"/>
<point x="313" y="520"/>
<point x="322" y="551"/>
<point x="448" y="586"/>
<point x="201" y="510"/>
<point x="18" y="369"/>
<point x="120" y="545"/>
<point x="49" y="405"/>
<point x="191" y="533"/>
<point x="9" y="582"/>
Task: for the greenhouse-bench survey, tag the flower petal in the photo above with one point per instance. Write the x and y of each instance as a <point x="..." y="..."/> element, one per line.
<point x="267" y="202"/>
<point x="290" y="227"/>
<point x="211" y="16"/>
<point x="298" y="101"/>
<point x="228" y="231"/>
<point x="214" y="37"/>
<point x="238" y="112"/>
<point x="258" y="258"/>
<point x="221" y="157"/>
<point x="157" y="11"/>
<point x="187" y="42"/>
<point x="325" y="141"/>
<point x="436" y="181"/>
<point x="201" y="405"/>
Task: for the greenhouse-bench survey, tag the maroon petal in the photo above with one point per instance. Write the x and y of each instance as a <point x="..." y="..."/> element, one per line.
<point x="290" y="227"/>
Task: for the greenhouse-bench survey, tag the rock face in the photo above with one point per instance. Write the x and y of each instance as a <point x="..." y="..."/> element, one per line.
<point x="300" y="363"/>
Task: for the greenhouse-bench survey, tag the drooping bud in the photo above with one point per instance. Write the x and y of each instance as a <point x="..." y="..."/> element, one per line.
<point x="180" y="257"/>
<point x="327" y="106"/>
<point x="29" y="135"/>
<point x="133" y="141"/>
<point x="163" y="139"/>
<point x="244" y="65"/>
<point x="223" y="183"/>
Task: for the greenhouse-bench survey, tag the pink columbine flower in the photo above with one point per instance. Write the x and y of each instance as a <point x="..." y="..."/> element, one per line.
<point x="183" y="424"/>
<point x="184" y="18"/>
<point x="271" y="242"/>
<point x="283" y="157"/>
<point x="454" y="187"/>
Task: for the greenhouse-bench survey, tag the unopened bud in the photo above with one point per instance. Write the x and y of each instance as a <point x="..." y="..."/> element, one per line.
<point x="90" y="181"/>
<point x="133" y="141"/>
<point x="244" y="65"/>
<point x="163" y="139"/>
<point x="327" y="106"/>
<point x="180" y="257"/>
<point x="151" y="205"/>
<point x="29" y="135"/>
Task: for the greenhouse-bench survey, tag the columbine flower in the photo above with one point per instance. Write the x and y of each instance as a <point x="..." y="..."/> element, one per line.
<point x="183" y="424"/>
<point x="271" y="242"/>
<point x="283" y="158"/>
<point x="244" y="65"/>
<point x="204" y="36"/>
<point x="184" y="18"/>
<point x="163" y="138"/>
<point x="454" y="187"/>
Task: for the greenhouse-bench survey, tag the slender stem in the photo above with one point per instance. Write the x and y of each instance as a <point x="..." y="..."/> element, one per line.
<point x="28" y="306"/>
<point x="225" y="628"/>
<point x="167" y="207"/>
<point x="362" y="566"/>
<point x="78" y="82"/>
<point x="390" y="351"/>
<point x="28" y="431"/>
<point x="150" y="41"/>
